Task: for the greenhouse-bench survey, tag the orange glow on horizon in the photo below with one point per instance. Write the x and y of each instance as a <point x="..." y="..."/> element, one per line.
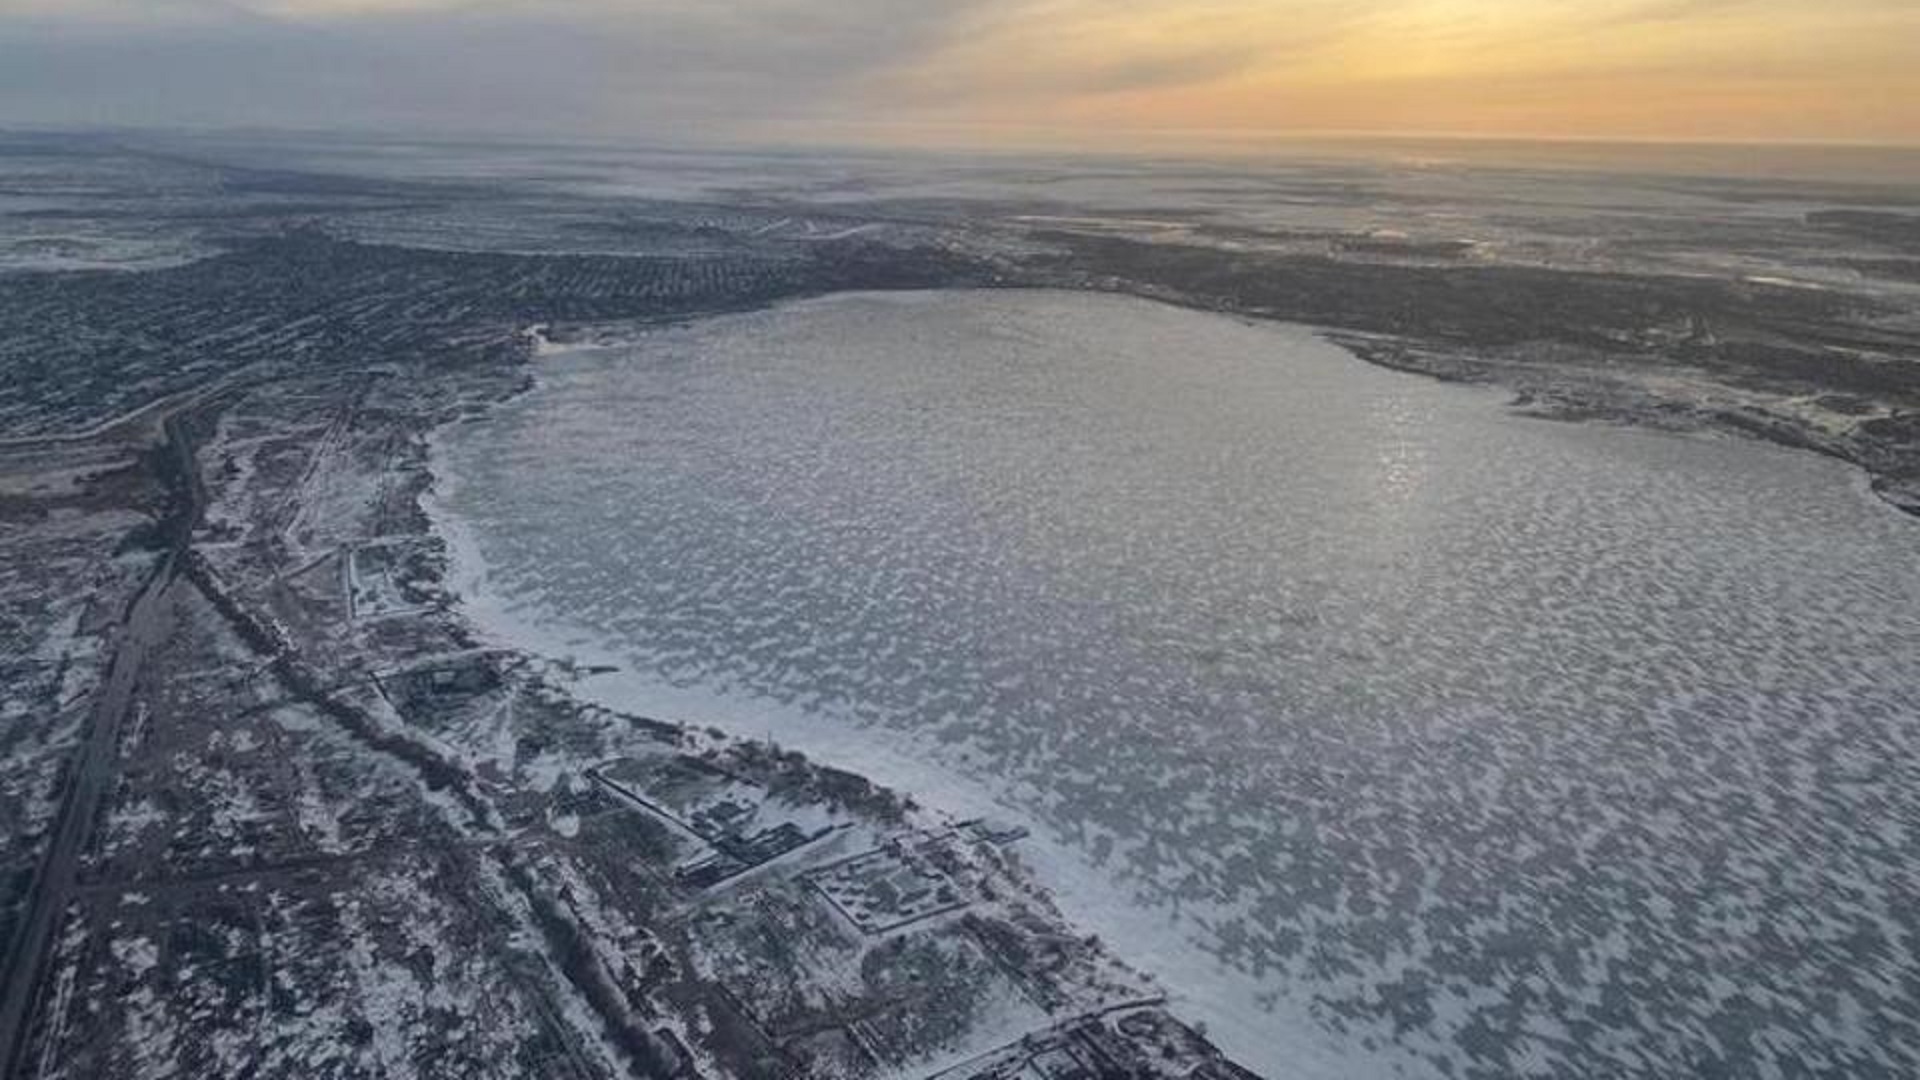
<point x="1759" y="70"/>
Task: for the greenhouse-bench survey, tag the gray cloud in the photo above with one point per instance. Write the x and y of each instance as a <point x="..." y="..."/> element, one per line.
<point x="1169" y="69"/>
<point x="659" y="67"/>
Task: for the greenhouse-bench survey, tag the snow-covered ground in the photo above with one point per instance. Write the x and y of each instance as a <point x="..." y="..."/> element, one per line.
<point x="1382" y="726"/>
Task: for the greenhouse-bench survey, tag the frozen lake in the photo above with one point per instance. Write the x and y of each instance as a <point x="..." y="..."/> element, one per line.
<point x="1445" y="735"/>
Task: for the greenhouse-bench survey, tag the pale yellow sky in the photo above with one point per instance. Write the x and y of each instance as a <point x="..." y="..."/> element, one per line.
<point x="1732" y="69"/>
<point x="1122" y="73"/>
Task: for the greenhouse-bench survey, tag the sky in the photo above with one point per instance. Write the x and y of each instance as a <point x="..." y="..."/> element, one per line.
<point x="1087" y="73"/>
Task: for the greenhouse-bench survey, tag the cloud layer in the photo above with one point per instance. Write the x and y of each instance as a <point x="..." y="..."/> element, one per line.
<point x="992" y="68"/>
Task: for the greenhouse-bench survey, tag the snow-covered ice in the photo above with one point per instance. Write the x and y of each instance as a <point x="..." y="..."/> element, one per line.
<point x="1383" y="725"/>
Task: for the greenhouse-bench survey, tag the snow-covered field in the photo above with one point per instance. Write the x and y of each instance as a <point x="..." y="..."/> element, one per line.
<point x="1385" y="727"/>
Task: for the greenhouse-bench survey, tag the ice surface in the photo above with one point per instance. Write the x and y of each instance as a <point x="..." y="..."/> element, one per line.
<point x="1443" y="733"/>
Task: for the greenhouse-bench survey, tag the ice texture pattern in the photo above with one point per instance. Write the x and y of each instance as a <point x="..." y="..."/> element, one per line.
<point x="1478" y="742"/>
